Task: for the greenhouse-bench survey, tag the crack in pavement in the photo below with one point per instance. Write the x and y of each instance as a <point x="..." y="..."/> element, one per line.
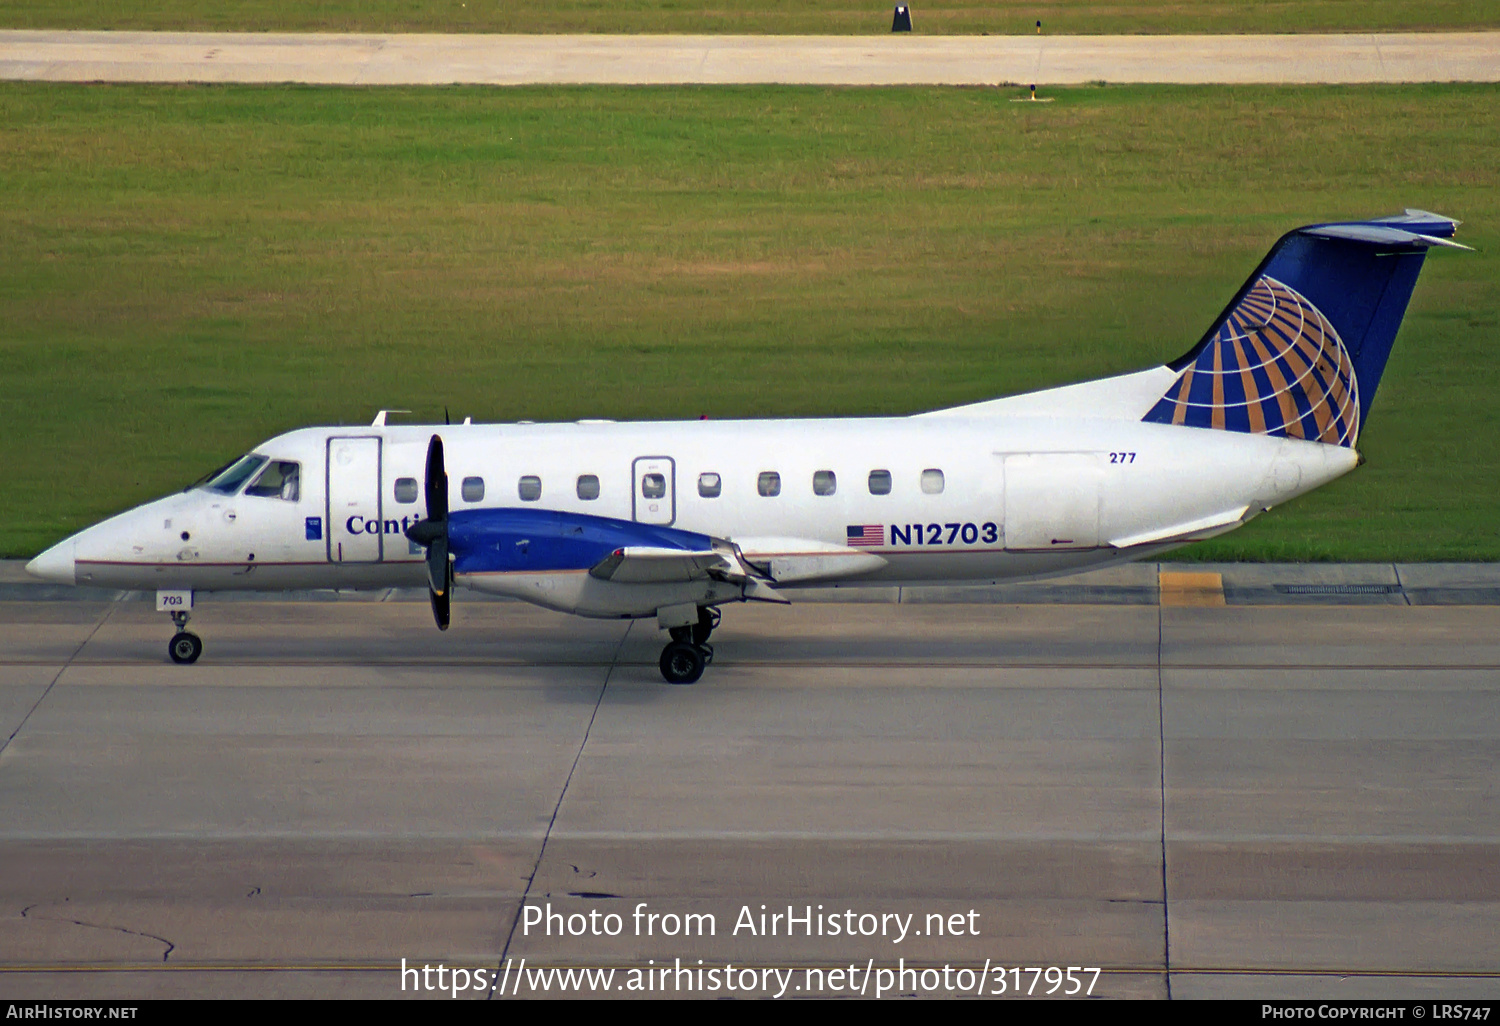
<point x="170" y="947"/>
<point x="108" y="612"/>
<point x="542" y="851"/>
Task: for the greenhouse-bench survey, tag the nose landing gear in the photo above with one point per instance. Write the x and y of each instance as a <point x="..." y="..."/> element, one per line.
<point x="185" y="647"/>
<point x="683" y="660"/>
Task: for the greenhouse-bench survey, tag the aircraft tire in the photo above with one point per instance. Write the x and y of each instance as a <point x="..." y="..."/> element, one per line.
<point x="682" y="663"/>
<point x="185" y="647"/>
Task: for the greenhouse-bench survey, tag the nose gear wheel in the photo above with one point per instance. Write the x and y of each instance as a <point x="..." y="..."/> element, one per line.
<point x="185" y="647"/>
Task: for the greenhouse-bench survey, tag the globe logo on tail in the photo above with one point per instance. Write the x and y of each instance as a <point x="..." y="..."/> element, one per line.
<point x="1276" y="366"/>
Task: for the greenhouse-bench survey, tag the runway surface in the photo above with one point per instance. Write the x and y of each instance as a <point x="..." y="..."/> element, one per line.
<point x="431" y="59"/>
<point x="1260" y="800"/>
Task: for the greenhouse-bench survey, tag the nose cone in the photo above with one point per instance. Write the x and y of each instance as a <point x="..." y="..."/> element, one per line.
<point x="56" y="564"/>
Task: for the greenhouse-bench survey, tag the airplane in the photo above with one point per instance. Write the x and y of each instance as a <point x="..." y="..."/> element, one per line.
<point x="674" y="520"/>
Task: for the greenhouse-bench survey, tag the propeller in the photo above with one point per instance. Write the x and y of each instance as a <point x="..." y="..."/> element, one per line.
<point x="432" y="534"/>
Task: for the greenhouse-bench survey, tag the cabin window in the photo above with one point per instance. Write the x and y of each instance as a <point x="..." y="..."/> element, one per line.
<point x="228" y="480"/>
<point x="529" y="488"/>
<point x="588" y="487"/>
<point x="824" y="482"/>
<point x="406" y="489"/>
<point x="769" y="483"/>
<point x="280" y="480"/>
<point x="709" y="486"/>
<point x="932" y="481"/>
<point x="653" y="486"/>
<point x="880" y="482"/>
<point x="472" y="489"/>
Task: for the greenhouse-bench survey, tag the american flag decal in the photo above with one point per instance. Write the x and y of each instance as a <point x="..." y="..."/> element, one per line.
<point x="866" y="535"/>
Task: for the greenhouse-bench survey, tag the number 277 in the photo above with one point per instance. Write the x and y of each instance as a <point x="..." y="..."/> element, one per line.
<point x="1122" y="457"/>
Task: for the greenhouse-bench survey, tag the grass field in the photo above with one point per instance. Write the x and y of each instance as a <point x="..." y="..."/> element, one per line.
<point x="754" y="16"/>
<point x="185" y="271"/>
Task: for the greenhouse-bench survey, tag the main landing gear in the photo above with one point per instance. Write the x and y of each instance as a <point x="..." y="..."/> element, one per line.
<point x="683" y="660"/>
<point x="185" y="646"/>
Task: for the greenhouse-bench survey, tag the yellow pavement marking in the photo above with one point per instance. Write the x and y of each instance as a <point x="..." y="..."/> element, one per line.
<point x="1179" y="588"/>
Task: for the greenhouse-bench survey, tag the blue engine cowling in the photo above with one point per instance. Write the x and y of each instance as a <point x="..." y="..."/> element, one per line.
<point x="511" y="539"/>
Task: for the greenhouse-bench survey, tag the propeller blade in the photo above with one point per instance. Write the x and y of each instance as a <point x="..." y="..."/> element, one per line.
<point x="432" y="533"/>
<point x="440" y="608"/>
<point x="439" y="573"/>
<point x="437" y="481"/>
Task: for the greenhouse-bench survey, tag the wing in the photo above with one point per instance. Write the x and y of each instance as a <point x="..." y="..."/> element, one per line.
<point x="639" y="564"/>
<point x="645" y="565"/>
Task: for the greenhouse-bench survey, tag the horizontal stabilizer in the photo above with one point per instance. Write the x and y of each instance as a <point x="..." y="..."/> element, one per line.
<point x="1381" y="235"/>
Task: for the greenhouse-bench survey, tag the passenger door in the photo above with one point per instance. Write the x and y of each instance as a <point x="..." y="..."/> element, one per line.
<point x="654" y="498"/>
<point x="354" y="522"/>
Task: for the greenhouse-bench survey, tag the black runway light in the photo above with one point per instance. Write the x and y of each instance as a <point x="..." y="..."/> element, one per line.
<point x="902" y="21"/>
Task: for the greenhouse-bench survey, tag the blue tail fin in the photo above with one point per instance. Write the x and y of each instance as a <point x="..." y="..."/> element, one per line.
<point x="1300" y="350"/>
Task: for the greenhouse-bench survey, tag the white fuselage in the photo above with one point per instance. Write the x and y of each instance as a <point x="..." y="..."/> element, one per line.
<point x="987" y="496"/>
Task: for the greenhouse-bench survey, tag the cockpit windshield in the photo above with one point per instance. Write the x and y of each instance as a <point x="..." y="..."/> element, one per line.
<point x="280" y="480"/>
<point x="229" y="480"/>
